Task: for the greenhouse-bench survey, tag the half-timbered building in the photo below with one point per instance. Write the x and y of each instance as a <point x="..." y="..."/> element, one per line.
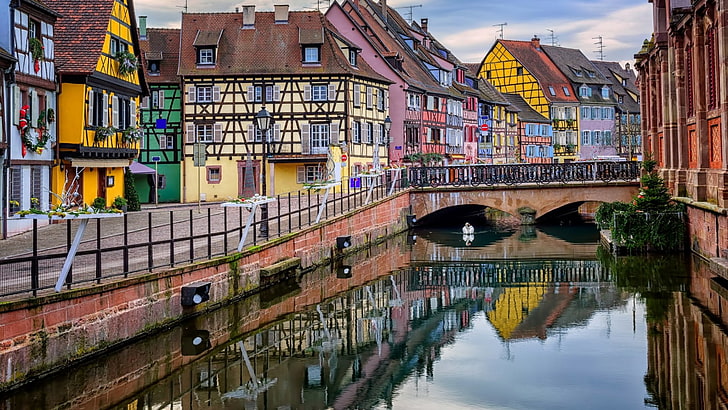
<point x="100" y="86"/>
<point x="534" y="133"/>
<point x="6" y="65"/>
<point x="161" y="153"/>
<point x="419" y="119"/>
<point x="307" y="76"/>
<point x="32" y="110"/>
<point x="521" y="67"/>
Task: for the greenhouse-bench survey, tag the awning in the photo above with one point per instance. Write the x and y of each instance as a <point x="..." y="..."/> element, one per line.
<point x="99" y="163"/>
<point x="138" y="168"/>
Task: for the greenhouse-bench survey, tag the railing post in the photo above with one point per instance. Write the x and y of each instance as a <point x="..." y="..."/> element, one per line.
<point x="34" y="274"/>
<point x="171" y="238"/>
<point x="150" y="248"/>
<point x="192" y="238"/>
<point x="126" y="245"/>
<point x="69" y="277"/>
<point x="224" y="231"/>
<point x="209" y="234"/>
<point x="98" y="251"/>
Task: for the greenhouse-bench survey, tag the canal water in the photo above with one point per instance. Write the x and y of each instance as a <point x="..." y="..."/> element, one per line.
<point x="526" y="318"/>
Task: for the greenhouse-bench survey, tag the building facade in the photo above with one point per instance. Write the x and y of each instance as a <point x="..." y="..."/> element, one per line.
<point x="100" y="87"/>
<point x="32" y="110"/>
<point x="682" y="97"/>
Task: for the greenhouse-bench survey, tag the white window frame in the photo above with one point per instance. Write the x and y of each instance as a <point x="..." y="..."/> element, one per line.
<point x="207" y="56"/>
<point x="319" y="92"/>
<point x="320" y="137"/>
<point x="205" y="133"/>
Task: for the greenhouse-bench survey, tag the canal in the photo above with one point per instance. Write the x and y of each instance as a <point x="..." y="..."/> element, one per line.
<point x="522" y="318"/>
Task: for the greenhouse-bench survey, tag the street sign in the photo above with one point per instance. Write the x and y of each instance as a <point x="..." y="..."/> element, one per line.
<point x="344" y="157"/>
<point x="156" y="159"/>
<point x="484" y="127"/>
<point x="199" y="156"/>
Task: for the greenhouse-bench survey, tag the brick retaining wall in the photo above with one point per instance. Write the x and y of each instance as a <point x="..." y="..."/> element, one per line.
<point x="40" y="335"/>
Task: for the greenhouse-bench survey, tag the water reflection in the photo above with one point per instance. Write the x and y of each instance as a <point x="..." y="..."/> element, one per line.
<point x="481" y="329"/>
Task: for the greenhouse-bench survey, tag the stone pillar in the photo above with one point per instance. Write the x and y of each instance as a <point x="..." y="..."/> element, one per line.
<point x="528" y="215"/>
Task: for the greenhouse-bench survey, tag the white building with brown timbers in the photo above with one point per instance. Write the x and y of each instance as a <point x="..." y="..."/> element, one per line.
<point x="321" y="96"/>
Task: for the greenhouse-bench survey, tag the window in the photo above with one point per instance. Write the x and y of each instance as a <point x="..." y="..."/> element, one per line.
<point x="380" y="100"/>
<point x="306" y="174"/>
<point x="153" y="67"/>
<point x="584" y="91"/>
<point x="319" y="92"/>
<point x="311" y="54"/>
<point x="116" y="45"/>
<point x="368" y="133"/>
<point x="214" y="174"/>
<point x="607" y="113"/>
<point x="519" y="70"/>
<point x="319" y="137"/>
<point x="204" y="133"/>
<point x="585" y="138"/>
<point x="596" y="138"/>
<point x="585" y="111"/>
<point x="205" y="56"/>
<point x="607" y="137"/>
<point x="16" y="189"/>
<point x="620" y="99"/>
<point x="166" y="141"/>
<point x="596" y="113"/>
<point x="352" y="57"/>
<point x="98" y="109"/>
<point x="552" y="91"/>
<point x="356" y="132"/>
<point x="208" y="94"/>
<point x="566" y="91"/>
<point x="605" y="92"/>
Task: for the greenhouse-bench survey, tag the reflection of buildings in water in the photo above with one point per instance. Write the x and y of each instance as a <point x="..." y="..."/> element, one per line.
<point x="354" y="349"/>
<point x="688" y="345"/>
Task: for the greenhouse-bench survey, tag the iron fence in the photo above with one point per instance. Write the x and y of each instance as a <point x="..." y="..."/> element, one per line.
<point x="157" y="239"/>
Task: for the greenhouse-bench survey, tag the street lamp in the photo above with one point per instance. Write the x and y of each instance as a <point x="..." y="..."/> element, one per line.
<point x="262" y="123"/>
<point x="387" y="127"/>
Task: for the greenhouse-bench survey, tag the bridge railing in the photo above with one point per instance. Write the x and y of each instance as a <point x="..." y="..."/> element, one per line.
<point x="516" y="174"/>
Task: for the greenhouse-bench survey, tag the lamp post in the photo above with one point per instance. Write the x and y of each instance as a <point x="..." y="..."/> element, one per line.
<point x="387" y="127"/>
<point x="262" y="123"/>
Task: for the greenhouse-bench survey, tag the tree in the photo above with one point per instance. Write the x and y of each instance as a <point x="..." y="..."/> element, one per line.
<point x="130" y="192"/>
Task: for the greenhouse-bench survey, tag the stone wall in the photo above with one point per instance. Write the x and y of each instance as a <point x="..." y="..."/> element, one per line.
<point x="708" y="230"/>
<point x="43" y="334"/>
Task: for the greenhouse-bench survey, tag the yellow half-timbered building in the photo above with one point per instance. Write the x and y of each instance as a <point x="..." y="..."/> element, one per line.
<point x="328" y="106"/>
<point x="523" y="68"/>
<point x="100" y="87"/>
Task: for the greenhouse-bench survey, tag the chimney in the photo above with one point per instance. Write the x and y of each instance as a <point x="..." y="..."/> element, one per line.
<point x="281" y="13"/>
<point x="536" y="42"/>
<point x="142" y="27"/>
<point x="423" y="24"/>
<point x="248" y="17"/>
<point x="627" y="66"/>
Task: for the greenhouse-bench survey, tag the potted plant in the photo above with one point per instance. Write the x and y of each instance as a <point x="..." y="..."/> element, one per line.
<point x="120" y="203"/>
<point x="103" y="132"/>
<point x="128" y="62"/>
<point x="99" y="204"/>
<point x="133" y="134"/>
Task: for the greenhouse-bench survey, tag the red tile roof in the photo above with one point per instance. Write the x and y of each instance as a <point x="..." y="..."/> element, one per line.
<point x="164" y="42"/>
<point x="268" y="49"/>
<point x="79" y="33"/>
<point x="542" y="68"/>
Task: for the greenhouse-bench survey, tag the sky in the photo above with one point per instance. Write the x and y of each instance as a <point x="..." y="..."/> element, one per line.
<point x="470" y="27"/>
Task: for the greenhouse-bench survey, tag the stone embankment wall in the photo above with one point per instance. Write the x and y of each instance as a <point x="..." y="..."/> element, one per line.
<point x="43" y="334"/>
<point x="708" y="233"/>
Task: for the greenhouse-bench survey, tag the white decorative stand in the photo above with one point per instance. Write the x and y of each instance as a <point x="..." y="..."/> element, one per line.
<point x="396" y="176"/>
<point x="251" y="205"/>
<point x="76" y="239"/>
<point x="374" y="177"/>
<point x="327" y="186"/>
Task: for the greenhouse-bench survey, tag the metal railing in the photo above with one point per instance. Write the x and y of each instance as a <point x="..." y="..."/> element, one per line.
<point x="516" y="174"/>
<point x="151" y="240"/>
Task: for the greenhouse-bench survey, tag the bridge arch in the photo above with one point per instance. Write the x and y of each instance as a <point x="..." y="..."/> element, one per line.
<point x="527" y="203"/>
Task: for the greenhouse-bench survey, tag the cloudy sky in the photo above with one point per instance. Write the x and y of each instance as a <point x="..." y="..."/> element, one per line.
<point x="469" y="27"/>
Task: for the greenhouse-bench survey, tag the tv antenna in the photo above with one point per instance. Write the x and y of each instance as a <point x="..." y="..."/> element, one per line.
<point x="409" y="13"/>
<point x="500" y="30"/>
<point x="184" y="8"/>
<point x="554" y="41"/>
<point x="600" y="47"/>
<point x="318" y="4"/>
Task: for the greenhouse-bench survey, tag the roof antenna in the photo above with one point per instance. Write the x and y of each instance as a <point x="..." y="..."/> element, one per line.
<point x="183" y="7"/>
<point x="554" y="41"/>
<point x="409" y="13"/>
<point x="500" y="30"/>
<point x="600" y="47"/>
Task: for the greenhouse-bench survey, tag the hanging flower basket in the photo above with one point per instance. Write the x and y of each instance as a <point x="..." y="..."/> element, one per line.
<point x="103" y="132"/>
<point x="38" y="142"/>
<point x="133" y="134"/>
<point x="128" y="63"/>
<point x="36" y="49"/>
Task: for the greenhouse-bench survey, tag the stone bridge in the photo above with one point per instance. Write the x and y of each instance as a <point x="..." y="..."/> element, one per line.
<point x="527" y="202"/>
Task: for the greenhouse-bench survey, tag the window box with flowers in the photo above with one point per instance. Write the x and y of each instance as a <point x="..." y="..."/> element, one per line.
<point x="132" y="134"/>
<point x="102" y="133"/>
<point x="128" y="63"/>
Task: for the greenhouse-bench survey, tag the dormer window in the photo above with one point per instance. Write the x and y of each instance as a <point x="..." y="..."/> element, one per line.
<point x="585" y="91"/>
<point x="566" y="91"/>
<point x="552" y="91"/>
<point x="605" y="92"/>
<point x="206" y="44"/>
<point x="154" y="60"/>
<point x="205" y="56"/>
<point x="311" y="41"/>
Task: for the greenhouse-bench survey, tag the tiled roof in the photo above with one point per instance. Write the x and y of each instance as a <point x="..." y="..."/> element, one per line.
<point x="268" y="48"/>
<point x="542" y="68"/>
<point x="490" y="93"/>
<point x="41" y="5"/>
<point x="4" y="55"/>
<point x="385" y="42"/>
<point x="163" y="44"/>
<point x="526" y="113"/>
<point x="609" y="69"/>
<point x="79" y="34"/>
<point x="473" y="68"/>
<point x="574" y="65"/>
